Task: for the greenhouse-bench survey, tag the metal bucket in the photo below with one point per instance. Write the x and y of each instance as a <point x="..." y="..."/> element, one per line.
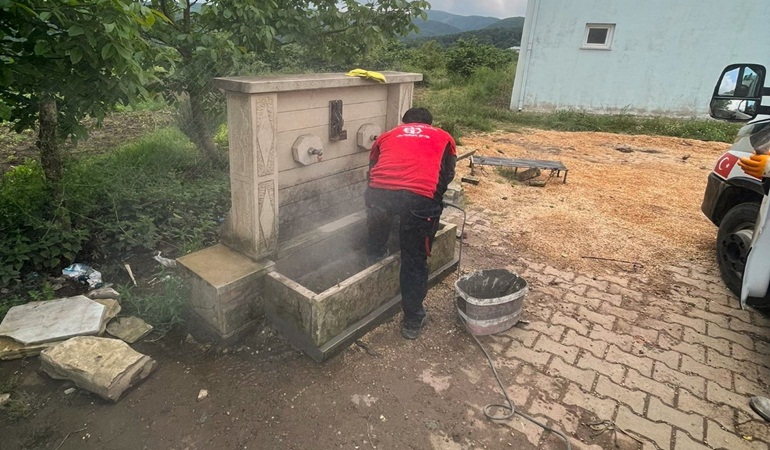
<point x="490" y="301"/>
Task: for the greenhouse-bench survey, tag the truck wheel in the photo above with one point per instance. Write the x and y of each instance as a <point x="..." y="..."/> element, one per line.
<point x="734" y="242"/>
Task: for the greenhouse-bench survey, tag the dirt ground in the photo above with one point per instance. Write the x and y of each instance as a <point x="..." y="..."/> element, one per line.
<point x="630" y="198"/>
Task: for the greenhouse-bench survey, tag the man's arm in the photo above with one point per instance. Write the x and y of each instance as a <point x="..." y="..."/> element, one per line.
<point x="447" y="172"/>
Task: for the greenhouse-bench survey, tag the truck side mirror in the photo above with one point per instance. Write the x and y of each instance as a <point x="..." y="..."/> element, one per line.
<point x="738" y="93"/>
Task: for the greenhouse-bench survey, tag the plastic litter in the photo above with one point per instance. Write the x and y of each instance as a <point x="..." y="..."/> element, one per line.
<point x="165" y="262"/>
<point x="83" y="273"/>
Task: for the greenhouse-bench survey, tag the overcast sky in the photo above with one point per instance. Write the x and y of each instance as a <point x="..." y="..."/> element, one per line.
<point x="493" y="8"/>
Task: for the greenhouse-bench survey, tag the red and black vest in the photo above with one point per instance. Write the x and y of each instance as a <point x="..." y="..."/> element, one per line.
<point x="415" y="157"/>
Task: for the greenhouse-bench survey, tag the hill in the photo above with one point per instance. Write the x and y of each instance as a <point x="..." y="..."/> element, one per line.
<point x="463" y="23"/>
<point x="504" y="33"/>
<point x="510" y="22"/>
<point x="430" y="28"/>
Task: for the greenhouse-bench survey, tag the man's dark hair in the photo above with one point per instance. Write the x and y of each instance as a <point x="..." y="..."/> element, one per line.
<point x="418" y="115"/>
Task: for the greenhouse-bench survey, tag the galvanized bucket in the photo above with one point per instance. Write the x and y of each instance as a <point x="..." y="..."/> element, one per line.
<point x="490" y="301"/>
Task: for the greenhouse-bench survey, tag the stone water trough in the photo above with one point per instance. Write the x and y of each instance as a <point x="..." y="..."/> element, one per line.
<point x="293" y="243"/>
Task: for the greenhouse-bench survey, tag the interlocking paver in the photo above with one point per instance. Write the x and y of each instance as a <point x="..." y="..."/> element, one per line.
<point x="615" y="372"/>
<point x="598" y="284"/>
<point x="632" y="398"/>
<point x="538" y="359"/>
<point x="568" y="353"/>
<point x="718" y="394"/>
<point x="747" y="387"/>
<point x="546" y="384"/>
<point x="638" y="332"/>
<point x="642" y="364"/>
<point x="691" y="423"/>
<point x="660" y="433"/>
<point x="603" y="409"/>
<point x="591" y="344"/>
<point x="694" y="351"/>
<point x="584" y="377"/>
<point x="720" y="375"/>
<point x="614" y="299"/>
<point x="721" y="345"/>
<point x="624" y="341"/>
<point x="569" y="322"/>
<point x="635" y="380"/>
<point x="674" y="366"/>
<point x="719" y="438"/>
<point x="605" y="320"/>
<point x="693" y="383"/>
<point x="625" y="292"/>
<point x="670" y="358"/>
<point x="711" y="318"/>
<point x="674" y="330"/>
<point x="723" y="414"/>
<point x="743" y="315"/>
<point x="738" y="338"/>
<point x="582" y="300"/>
<point x="696" y="324"/>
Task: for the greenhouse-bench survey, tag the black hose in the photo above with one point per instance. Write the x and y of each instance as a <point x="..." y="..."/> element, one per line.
<point x="509" y="409"/>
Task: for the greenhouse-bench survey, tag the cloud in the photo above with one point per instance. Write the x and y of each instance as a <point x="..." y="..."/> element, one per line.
<point x="494" y="8"/>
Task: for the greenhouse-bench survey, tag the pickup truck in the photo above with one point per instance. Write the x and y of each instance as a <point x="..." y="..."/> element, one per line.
<point x="733" y="199"/>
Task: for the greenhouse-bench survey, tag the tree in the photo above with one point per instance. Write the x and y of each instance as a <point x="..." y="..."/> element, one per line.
<point x="61" y="61"/>
<point x="217" y="38"/>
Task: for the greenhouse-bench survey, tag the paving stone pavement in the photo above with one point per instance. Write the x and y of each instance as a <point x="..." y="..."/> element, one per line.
<point x="674" y="367"/>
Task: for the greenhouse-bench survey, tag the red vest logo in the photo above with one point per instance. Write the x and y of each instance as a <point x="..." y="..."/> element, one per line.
<point x="725" y="165"/>
<point x="413" y="130"/>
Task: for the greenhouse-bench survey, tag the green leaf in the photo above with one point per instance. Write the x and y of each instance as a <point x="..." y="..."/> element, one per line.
<point x="75" y="30"/>
<point x="42" y="47"/>
<point x="107" y="51"/>
<point x="75" y="55"/>
<point x="108" y="27"/>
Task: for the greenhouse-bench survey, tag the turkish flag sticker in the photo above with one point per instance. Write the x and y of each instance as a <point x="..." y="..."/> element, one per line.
<point x="725" y="164"/>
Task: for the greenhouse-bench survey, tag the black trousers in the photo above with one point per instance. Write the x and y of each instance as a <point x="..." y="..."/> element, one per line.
<point x="418" y="223"/>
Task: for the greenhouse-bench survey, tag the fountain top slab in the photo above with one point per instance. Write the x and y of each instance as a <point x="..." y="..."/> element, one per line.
<point x="299" y="82"/>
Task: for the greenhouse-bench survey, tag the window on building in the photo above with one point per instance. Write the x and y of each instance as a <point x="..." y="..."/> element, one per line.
<point x="598" y="36"/>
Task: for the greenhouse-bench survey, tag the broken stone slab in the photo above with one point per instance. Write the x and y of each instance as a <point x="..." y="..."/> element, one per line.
<point x="129" y="329"/>
<point x="10" y="349"/>
<point x="103" y="293"/>
<point x="53" y="320"/>
<point x="112" y="309"/>
<point x="106" y="367"/>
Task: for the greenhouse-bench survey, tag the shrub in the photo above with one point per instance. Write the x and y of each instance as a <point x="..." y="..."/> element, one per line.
<point x="465" y="57"/>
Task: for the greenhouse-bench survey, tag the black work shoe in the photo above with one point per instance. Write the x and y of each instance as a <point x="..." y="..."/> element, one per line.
<point x="411" y="330"/>
<point x="761" y="406"/>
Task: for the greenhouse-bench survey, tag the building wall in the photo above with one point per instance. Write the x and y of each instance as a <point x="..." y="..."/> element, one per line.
<point x="665" y="57"/>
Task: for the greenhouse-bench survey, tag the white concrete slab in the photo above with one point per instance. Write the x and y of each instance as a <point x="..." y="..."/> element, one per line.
<point x="53" y="320"/>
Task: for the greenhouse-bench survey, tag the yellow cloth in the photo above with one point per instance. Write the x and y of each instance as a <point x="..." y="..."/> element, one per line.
<point x="368" y="74"/>
<point x="755" y="165"/>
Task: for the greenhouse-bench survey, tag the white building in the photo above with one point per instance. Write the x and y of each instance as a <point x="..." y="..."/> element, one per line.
<point x="654" y="57"/>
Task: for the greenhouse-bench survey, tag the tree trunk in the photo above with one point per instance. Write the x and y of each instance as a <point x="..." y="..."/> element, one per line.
<point x="50" y="156"/>
<point x="203" y="138"/>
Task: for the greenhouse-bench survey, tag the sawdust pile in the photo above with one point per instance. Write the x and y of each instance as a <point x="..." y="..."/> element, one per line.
<point x="630" y="198"/>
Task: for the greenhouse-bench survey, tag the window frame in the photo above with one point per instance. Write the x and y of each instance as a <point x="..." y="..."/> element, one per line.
<point x="607" y="45"/>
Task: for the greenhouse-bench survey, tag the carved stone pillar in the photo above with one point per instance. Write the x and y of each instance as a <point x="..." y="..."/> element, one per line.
<point x="251" y="228"/>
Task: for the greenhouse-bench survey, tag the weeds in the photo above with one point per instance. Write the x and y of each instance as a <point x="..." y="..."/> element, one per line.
<point x="161" y="306"/>
<point x="21" y="405"/>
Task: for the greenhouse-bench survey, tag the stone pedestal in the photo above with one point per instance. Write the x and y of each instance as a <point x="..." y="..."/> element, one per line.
<point x="224" y="291"/>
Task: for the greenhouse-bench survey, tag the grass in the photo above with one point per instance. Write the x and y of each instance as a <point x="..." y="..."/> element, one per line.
<point x="21" y="405"/>
<point x="161" y="304"/>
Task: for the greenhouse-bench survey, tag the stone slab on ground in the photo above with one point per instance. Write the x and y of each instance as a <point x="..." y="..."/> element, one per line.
<point x="10" y="349"/>
<point x="106" y="367"/>
<point x="129" y="329"/>
<point x="111" y="311"/>
<point x="53" y="320"/>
